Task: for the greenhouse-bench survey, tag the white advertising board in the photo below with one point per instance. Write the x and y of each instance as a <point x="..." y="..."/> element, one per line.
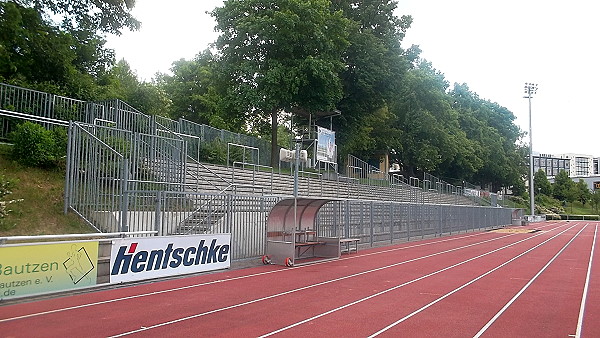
<point x="134" y="259"/>
<point x="326" y="151"/>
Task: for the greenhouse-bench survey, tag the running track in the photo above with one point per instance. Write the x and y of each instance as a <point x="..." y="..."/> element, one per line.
<point x="489" y="284"/>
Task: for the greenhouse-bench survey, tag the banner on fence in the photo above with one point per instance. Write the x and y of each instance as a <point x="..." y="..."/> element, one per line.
<point x="33" y="269"/>
<point x="144" y="258"/>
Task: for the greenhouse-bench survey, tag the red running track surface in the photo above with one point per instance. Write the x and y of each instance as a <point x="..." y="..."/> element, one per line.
<point x="489" y="284"/>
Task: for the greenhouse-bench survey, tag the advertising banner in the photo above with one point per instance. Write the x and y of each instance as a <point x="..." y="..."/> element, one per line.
<point x="134" y="259"/>
<point x="32" y="269"/>
<point x="472" y="192"/>
<point x="326" y="151"/>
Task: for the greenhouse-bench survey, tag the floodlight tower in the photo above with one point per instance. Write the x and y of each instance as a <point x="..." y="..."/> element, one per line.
<point x="530" y="90"/>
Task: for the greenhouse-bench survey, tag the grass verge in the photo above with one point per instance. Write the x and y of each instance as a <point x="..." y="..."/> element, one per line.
<point x="42" y="192"/>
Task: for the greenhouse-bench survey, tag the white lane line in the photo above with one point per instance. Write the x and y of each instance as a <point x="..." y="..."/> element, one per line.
<point x="406" y="283"/>
<point x="510" y="302"/>
<point x="586" y="288"/>
<point x="315" y="285"/>
<point x="154" y="293"/>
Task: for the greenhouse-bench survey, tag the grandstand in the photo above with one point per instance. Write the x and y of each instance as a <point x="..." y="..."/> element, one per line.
<point x="128" y="171"/>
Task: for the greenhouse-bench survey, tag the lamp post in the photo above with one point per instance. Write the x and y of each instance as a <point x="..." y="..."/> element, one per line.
<point x="530" y="90"/>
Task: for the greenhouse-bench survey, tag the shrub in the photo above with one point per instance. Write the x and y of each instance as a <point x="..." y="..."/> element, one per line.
<point x="34" y="146"/>
<point x="214" y="152"/>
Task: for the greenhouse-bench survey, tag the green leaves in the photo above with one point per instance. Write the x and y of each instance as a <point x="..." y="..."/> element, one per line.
<point x="283" y="54"/>
<point x="36" y="54"/>
<point x="35" y="146"/>
<point x="108" y="16"/>
<point x="278" y="55"/>
<point x="541" y="183"/>
<point x="563" y="186"/>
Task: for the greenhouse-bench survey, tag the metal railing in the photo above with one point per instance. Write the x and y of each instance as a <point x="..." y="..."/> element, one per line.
<point x="97" y="176"/>
<point x="206" y="144"/>
<point x="69" y="237"/>
<point x="127" y="171"/>
<point x="245" y="216"/>
<point x="19" y="103"/>
<point x="125" y="117"/>
<point x="216" y="140"/>
<point x="103" y="162"/>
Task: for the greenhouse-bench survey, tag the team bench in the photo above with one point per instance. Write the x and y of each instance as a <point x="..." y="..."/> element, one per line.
<point x="349" y="244"/>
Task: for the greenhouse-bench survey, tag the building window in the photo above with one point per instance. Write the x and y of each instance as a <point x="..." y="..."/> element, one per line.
<point x="581" y="166"/>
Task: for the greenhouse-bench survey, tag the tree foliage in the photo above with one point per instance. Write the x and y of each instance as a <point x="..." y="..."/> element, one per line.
<point x="273" y="58"/>
<point x="279" y="55"/>
<point x="108" y="16"/>
<point x="375" y="67"/>
<point x="196" y="94"/>
<point x="563" y="185"/>
<point x="492" y="127"/>
<point x="36" y="54"/>
<point x="541" y="183"/>
<point x="582" y="192"/>
<point x="595" y="200"/>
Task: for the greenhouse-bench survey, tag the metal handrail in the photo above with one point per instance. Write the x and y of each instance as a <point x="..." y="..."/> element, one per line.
<point x="71" y="236"/>
<point x="36" y="118"/>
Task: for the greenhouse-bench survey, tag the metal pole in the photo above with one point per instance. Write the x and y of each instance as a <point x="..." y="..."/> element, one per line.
<point x="69" y="177"/>
<point x="297" y="160"/>
<point x="531" y="187"/>
<point x="530" y="89"/>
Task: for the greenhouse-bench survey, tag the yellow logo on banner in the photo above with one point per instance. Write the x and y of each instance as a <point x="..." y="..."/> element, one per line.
<point x="31" y="269"/>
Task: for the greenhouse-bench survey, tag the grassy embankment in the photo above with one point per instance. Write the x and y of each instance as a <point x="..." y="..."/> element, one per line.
<point x="41" y="211"/>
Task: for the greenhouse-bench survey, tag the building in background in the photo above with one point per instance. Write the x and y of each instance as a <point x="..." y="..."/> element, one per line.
<point x="579" y="166"/>
<point x="550" y="164"/>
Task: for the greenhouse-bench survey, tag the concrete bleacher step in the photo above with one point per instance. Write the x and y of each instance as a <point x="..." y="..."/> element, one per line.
<point x="217" y="178"/>
<point x="200" y="221"/>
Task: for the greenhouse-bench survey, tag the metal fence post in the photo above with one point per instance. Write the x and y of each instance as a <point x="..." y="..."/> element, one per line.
<point x="441" y="213"/>
<point x="391" y="222"/>
<point x="158" y="212"/>
<point x="124" y="197"/>
<point x="69" y="176"/>
<point x="347" y="219"/>
<point x="372" y="226"/>
<point x="229" y="213"/>
<point x="408" y="220"/>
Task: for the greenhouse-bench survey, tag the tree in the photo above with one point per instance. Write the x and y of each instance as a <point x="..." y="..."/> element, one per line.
<point x="196" y="94"/>
<point x="38" y="55"/>
<point x="279" y="55"/>
<point x="121" y="82"/>
<point x="562" y="186"/>
<point x="107" y="16"/>
<point x="595" y="200"/>
<point x="492" y="127"/>
<point x="31" y="50"/>
<point x="432" y="140"/>
<point x="518" y="188"/>
<point x="375" y="66"/>
<point x="582" y="192"/>
<point x="541" y="183"/>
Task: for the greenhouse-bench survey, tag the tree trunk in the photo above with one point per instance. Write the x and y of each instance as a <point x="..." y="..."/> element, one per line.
<point x="274" y="147"/>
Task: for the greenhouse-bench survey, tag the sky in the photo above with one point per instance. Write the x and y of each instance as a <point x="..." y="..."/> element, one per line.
<point x="493" y="46"/>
